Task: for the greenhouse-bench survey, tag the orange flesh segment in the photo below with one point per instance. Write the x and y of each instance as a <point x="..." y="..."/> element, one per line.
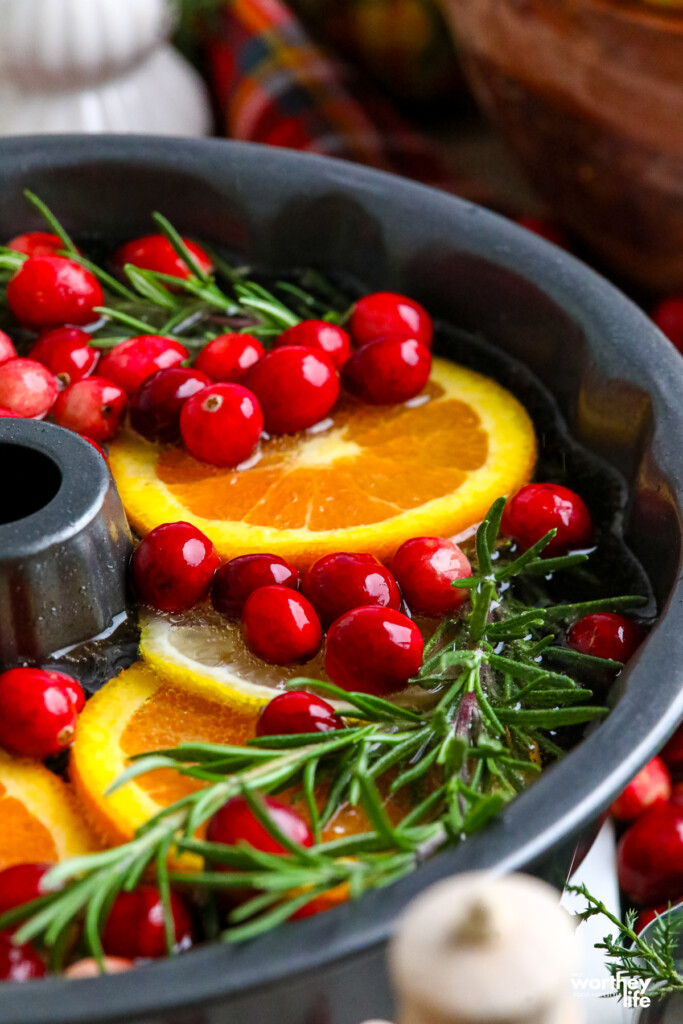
<point x="25" y="840"/>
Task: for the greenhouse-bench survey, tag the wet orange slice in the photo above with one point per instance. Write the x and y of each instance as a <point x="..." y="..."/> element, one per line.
<point x="365" y="480"/>
<point x="40" y="817"/>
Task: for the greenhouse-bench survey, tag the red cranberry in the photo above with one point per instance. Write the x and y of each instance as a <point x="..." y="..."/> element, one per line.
<point x="538" y="508"/>
<point x="155" y="252"/>
<point x="173" y="567"/>
<point x="135" y="926"/>
<point x="37" y="713"/>
<point x="67" y="352"/>
<point x="668" y="316"/>
<point x="545" y="228"/>
<point x="96" y="446"/>
<point x="7" y="349"/>
<point x="8" y="414"/>
<point x="221" y="424"/>
<point x="229" y="357"/>
<point x="48" y="291"/>
<point x="388" y="371"/>
<point x="156" y="406"/>
<point x="27" y="388"/>
<point x="296" y="712"/>
<point x="605" y="635"/>
<point x="91" y="406"/>
<point x="296" y="387"/>
<point x="425" y="568"/>
<point x="337" y="583"/>
<point x="320" y="335"/>
<point x="21" y="884"/>
<point x="386" y="313"/>
<point x="672" y="754"/>
<point x="238" y="578"/>
<point x="19" y="963"/>
<point x="72" y="687"/>
<point x="236" y="823"/>
<point x="36" y="243"/>
<point x="373" y="650"/>
<point x="131" y="362"/>
<point x="650" y="856"/>
<point x="280" y="625"/>
<point x="651" y="785"/>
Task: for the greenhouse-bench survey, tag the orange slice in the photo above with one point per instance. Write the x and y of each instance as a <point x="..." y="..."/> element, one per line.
<point x="40" y="817"/>
<point x="365" y="480"/>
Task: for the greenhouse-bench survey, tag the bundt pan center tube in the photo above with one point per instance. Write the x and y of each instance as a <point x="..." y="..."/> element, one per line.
<point x="614" y="379"/>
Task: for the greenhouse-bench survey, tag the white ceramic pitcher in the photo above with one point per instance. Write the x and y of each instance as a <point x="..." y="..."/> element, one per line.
<point x="96" y="66"/>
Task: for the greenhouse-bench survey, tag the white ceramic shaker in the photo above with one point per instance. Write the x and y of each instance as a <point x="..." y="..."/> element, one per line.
<point x="96" y="66"/>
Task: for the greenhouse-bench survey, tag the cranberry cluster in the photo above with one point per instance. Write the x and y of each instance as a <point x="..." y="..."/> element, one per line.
<point x="235" y="391"/>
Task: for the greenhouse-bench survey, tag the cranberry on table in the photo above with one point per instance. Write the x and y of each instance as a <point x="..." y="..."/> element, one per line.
<point x="36" y="243"/>
<point x="668" y="316"/>
<point x="37" y="713"/>
<point x="373" y="650"/>
<point x="339" y="582"/>
<point x="49" y="291"/>
<point x="236" y="823"/>
<point x="387" y="313"/>
<point x="538" y="508"/>
<point x="21" y="884"/>
<point x="67" y="353"/>
<point x="425" y="568"/>
<point x="221" y="424"/>
<point x="606" y="635"/>
<point x="135" y="930"/>
<point x="155" y="252"/>
<point x="229" y="357"/>
<point x="651" y="785"/>
<point x="27" y="388"/>
<point x="92" y="406"/>
<point x="296" y="387"/>
<point x="156" y="406"/>
<point x="19" y="963"/>
<point x="173" y="567"/>
<point x="388" y="371"/>
<point x="650" y="856"/>
<point x="320" y="335"/>
<point x="7" y="349"/>
<point x="296" y="712"/>
<point x="130" y="362"/>
<point x="280" y="625"/>
<point x="238" y="578"/>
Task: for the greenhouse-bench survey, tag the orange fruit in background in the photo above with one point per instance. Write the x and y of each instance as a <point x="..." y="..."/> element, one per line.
<point x="368" y="479"/>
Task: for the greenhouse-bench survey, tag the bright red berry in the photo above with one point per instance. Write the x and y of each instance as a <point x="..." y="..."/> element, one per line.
<point x="27" y="388"/>
<point x="538" y="508"/>
<point x="388" y="371"/>
<point x="296" y="712"/>
<point x="425" y="568"/>
<point x="131" y="362"/>
<point x="19" y="963"/>
<point x="49" y="291"/>
<point x="135" y="930"/>
<point x="545" y="228"/>
<point x="67" y="353"/>
<point x="337" y="583"/>
<point x="36" y="243"/>
<point x="280" y="625"/>
<point x="37" y="713"/>
<point x="241" y="576"/>
<point x="155" y="252"/>
<point x="672" y="753"/>
<point x="668" y="316"/>
<point x="320" y="335"/>
<point x="96" y="446"/>
<point x="8" y="414"/>
<point x="92" y="406"/>
<point x="229" y="357"/>
<point x="296" y="387"/>
<point x="7" y="349"/>
<point x="72" y="687"/>
<point x="651" y="785"/>
<point x="386" y="313"/>
<point x="606" y="635"/>
<point x="236" y="823"/>
<point x="173" y="567"/>
<point x="221" y="424"/>
<point x="156" y="406"/>
<point x="650" y="856"/>
<point x="21" y="884"/>
<point x="373" y="650"/>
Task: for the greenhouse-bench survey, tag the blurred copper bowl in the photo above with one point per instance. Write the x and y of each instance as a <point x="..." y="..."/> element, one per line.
<point x="589" y="93"/>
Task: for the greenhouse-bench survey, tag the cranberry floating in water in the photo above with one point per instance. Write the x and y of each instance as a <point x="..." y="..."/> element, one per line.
<point x="27" y="388"/>
<point x="538" y="508"/>
<point x="92" y="406"/>
<point x="297" y="712"/>
<point x="388" y="371"/>
<point x="173" y="567"/>
<point x="50" y="291"/>
<point x="280" y="625"/>
<point x="156" y="406"/>
<point x="67" y="353"/>
<point x="221" y="424"/>
<point x="155" y="252"/>
<point x="131" y="362"/>
<point x="425" y="568"/>
<point x="236" y="823"/>
<point x="238" y="578"/>
<point x="321" y="335"/>
<point x="296" y="387"/>
<point x="339" y="582"/>
<point x="387" y="313"/>
<point x="22" y="883"/>
<point x="373" y="650"/>
<point x="606" y="635"/>
<point x="228" y="358"/>
<point x="37" y="713"/>
<point x="36" y="243"/>
<point x="135" y="930"/>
